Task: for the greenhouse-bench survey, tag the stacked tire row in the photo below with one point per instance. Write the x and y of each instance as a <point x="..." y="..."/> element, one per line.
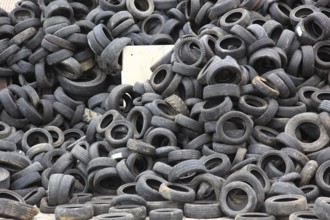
<point x="233" y="122"/>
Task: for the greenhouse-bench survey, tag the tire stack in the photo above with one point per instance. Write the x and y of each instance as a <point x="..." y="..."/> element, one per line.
<point x="234" y="121"/>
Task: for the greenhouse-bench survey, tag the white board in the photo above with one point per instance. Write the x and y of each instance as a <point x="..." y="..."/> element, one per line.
<point x="137" y="61"/>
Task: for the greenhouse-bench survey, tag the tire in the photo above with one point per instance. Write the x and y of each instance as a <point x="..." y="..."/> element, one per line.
<point x="282" y="188"/>
<point x="147" y="5"/>
<point x="139" y="114"/>
<point x="106" y="174"/>
<point x="255" y="216"/>
<point x="320" y="178"/>
<point x="34" y="197"/>
<point x="314" y="119"/>
<point x="311" y="192"/>
<point x="322" y="208"/>
<point x="165" y="5"/>
<point x="139" y="212"/>
<point x="259" y="174"/>
<point x="177" y="192"/>
<point x="284" y="205"/>
<point x="296" y="155"/>
<point x="189" y="59"/>
<point x="60" y="189"/>
<point x="251" y="180"/>
<point x="303" y="215"/>
<point x="128" y="200"/>
<point x="227" y="206"/>
<point x="308" y="172"/>
<point x="26" y="181"/>
<point x="226" y="23"/>
<point x="14" y="161"/>
<point x="106" y="119"/>
<point x="115" y="216"/>
<point x="158" y="83"/>
<point x="80" y="185"/>
<point x="119" y="142"/>
<point x="166" y="214"/>
<point x="248" y="124"/>
<point x="138" y="163"/>
<point x="42" y="136"/>
<point x="83" y="197"/>
<point x="202" y="209"/>
<point x="177" y="156"/>
<point x="263" y="163"/>
<point x="148" y="187"/>
<point x="265" y="135"/>
<point x="217" y="164"/>
<point x="99" y="149"/>
<point x="8" y="194"/>
<point x="74" y="211"/>
<point x="160" y="137"/>
<point x="4" y="178"/>
<point x="80" y="152"/>
<point x="212" y="183"/>
<point x="100" y="206"/>
<point x="141" y="147"/>
<point x="162" y="168"/>
<point x="50" y="157"/>
<point x="184" y="168"/>
<point x="17" y="210"/>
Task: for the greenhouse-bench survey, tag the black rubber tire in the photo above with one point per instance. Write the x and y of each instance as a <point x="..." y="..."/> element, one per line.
<point x="308" y="172"/>
<point x="254" y="216"/>
<point x="265" y="158"/>
<point x="14" y="161"/>
<point x="320" y="176"/>
<point x="34" y="136"/>
<point x="202" y="210"/>
<point x="137" y="115"/>
<point x="139" y="212"/>
<point x="128" y="200"/>
<point x="229" y="19"/>
<point x="148" y="187"/>
<point x="249" y="205"/>
<point x="177" y="192"/>
<point x="284" y="188"/>
<point x="104" y="175"/>
<point x="34" y="197"/>
<point x="248" y="125"/>
<point x="124" y="172"/>
<point x="314" y="119"/>
<point x="217" y="164"/>
<point x="124" y="134"/>
<point x="82" y="198"/>
<point x="166" y="214"/>
<point x="284" y="205"/>
<point x="100" y="206"/>
<point x="17" y="210"/>
<point x="184" y="168"/>
<point x="60" y="189"/>
<point x="321" y="207"/>
<point x="153" y="205"/>
<point x="115" y="216"/>
<point x="141" y="147"/>
<point x="74" y="211"/>
<point x="4" y="178"/>
<point x="251" y="180"/>
<point x="303" y="215"/>
<point x="147" y="7"/>
<point x="100" y="163"/>
<point x="259" y="174"/>
<point x="30" y="179"/>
